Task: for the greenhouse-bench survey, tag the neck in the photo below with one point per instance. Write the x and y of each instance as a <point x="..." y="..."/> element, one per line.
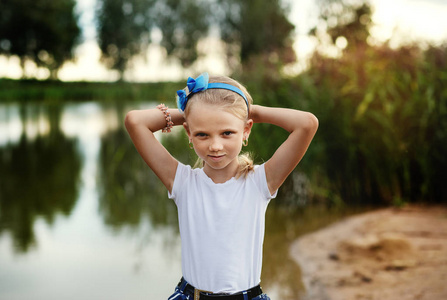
<point x="221" y="175"/>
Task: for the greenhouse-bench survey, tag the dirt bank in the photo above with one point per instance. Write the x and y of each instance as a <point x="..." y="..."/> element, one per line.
<point x="388" y="254"/>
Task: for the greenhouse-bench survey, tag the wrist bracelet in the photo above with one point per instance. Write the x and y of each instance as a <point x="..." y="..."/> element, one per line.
<point x="167" y="114"/>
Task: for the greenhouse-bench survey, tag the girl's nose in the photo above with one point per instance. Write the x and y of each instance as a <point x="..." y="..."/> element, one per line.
<point x="215" y="145"/>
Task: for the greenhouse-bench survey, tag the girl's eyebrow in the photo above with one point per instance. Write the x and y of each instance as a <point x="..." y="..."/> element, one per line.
<point x="198" y="131"/>
<point x="220" y="130"/>
<point x="229" y="129"/>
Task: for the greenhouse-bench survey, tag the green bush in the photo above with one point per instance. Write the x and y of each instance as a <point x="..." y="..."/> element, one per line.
<point x="383" y="123"/>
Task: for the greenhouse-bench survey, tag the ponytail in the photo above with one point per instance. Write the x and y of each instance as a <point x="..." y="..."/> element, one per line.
<point x="245" y="165"/>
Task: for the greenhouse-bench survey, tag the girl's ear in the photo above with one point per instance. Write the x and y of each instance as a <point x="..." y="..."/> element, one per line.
<point x="247" y="128"/>
<point x="185" y="125"/>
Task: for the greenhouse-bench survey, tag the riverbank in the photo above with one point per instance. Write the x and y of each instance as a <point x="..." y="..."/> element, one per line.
<point x="386" y="254"/>
<point x="59" y="91"/>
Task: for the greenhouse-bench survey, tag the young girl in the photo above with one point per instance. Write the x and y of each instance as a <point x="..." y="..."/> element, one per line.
<point x="221" y="206"/>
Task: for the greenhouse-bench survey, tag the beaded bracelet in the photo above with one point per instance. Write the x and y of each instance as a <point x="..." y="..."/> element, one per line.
<point x="167" y="114"/>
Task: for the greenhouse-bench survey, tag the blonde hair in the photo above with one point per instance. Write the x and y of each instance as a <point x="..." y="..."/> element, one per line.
<point x="231" y="102"/>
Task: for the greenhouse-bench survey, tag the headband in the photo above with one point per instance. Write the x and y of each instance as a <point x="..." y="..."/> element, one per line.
<point x="199" y="84"/>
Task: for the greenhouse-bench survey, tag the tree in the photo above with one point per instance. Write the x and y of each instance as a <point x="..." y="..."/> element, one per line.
<point x="250" y="29"/>
<point x="256" y="28"/>
<point x="346" y="19"/>
<point x="41" y="31"/>
<point x="123" y="30"/>
<point x="183" y="23"/>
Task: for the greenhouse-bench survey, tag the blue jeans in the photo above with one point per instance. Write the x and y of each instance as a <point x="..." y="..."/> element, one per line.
<point x="262" y="297"/>
<point x="179" y="295"/>
<point x="184" y="291"/>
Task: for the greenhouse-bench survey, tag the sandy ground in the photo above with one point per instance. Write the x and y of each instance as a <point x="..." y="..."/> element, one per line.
<point x="389" y="254"/>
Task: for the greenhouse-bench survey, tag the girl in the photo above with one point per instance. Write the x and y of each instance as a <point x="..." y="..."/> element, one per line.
<point x="221" y="206"/>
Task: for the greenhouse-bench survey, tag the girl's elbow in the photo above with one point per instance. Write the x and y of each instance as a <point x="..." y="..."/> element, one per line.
<point x="311" y="122"/>
<point x="131" y="119"/>
<point x="314" y="121"/>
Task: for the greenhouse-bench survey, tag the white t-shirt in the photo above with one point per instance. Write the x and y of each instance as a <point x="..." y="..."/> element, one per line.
<point x="221" y="228"/>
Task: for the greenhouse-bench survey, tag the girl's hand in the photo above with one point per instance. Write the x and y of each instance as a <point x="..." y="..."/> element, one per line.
<point x="254" y="114"/>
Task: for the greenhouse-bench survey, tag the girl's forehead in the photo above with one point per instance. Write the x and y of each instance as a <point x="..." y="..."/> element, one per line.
<point x="207" y="116"/>
<point x="197" y="104"/>
<point x="203" y="110"/>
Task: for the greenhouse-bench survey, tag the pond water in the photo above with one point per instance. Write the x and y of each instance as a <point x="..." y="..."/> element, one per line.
<point x="82" y="217"/>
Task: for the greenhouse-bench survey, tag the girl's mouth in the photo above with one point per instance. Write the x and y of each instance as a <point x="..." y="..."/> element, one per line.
<point x="216" y="157"/>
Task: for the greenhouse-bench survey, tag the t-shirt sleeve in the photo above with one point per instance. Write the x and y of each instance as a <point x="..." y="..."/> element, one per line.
<point x="181" y="174"/>
<point x="261" y="181"/>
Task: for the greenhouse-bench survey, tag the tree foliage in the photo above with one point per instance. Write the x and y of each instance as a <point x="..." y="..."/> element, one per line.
<point x="345" y="19"/>
<point x="255" y="29"/>
<point x="125" y="26"/>
<point x="251" y="30"/>
<point x="183" y="23"/>
<point x="123" y="30"/>
<point x="41" y="31"/>
<point x="46" y="32"/>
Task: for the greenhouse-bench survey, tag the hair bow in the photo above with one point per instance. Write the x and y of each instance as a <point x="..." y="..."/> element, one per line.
<point x="192" y="86"/>
<point x="200" y="84"/>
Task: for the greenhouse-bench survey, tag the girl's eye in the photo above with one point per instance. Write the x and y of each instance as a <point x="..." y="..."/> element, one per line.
<point x="228" y="133"/>
<point x="201" y="134"/>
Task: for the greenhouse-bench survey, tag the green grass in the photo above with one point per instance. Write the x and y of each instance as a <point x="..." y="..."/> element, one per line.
<point x="35" y="90"/>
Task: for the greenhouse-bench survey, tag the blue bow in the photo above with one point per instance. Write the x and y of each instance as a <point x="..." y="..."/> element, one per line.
<point x="192" y="86"/>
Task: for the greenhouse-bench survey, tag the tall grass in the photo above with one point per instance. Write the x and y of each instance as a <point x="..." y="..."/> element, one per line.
<point x="383" y="123"/>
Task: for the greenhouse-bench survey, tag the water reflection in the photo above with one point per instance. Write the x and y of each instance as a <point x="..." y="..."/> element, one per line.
<point x="59" y="193"/>
<point x="39" y="171"/>
<point x="129" y="191"/>
<point x="81" y="215"/>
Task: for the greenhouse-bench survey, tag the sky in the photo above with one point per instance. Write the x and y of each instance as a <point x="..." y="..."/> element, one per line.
<point x="399" y="21"/>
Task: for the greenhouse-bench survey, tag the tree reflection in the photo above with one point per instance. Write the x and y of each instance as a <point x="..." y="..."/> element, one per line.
<point x="38" y="178"/>
<point x="129" y="191"/>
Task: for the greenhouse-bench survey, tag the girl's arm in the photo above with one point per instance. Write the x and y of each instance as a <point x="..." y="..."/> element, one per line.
<point x="141" y="124"/>
<point x="301" y="126"/>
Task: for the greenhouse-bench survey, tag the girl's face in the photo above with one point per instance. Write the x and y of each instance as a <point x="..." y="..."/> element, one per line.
<point x="217" y="137"/>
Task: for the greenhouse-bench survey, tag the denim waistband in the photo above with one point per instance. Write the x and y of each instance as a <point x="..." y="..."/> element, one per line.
<point x="189" y="290"/>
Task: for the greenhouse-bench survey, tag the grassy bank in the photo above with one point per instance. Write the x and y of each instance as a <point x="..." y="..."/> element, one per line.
<point x="35" y="90"/>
